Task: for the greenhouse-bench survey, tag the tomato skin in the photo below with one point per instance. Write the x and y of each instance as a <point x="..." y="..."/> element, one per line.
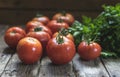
<point x="44" y="28"/>
<point x="89" y="51"/>
<point x="42" y="36"/>
<point x="29" y="50"/>
<point x="60" y="53"/>
<point x="69" y="36"/>
<point x="42" y="19"/>
<point x="68" y="18"/>
<point x="13" y="35"/>
<point x="32" y="24"/>
<point x="55" y="26"/>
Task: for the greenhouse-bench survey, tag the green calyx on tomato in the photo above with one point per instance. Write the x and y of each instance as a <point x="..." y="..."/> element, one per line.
<point x="38" y="29"/>
<point x="62" y="32"/>
<point x="59" y="20"/>
<point x="63" y="13"/>
<point x="59" y="38"/>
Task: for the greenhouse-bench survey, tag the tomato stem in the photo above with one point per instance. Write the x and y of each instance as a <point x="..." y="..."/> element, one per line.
<point x="59" y="20"/>
<point x="13" y="32"/>
<point x="64" y="31"/>
<point x="63" y="13"/>
<point x="38" y="29"/>
<point x="59" y="38"/>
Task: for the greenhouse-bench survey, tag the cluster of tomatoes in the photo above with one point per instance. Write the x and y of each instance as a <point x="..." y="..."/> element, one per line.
<point x="43" y="36"/>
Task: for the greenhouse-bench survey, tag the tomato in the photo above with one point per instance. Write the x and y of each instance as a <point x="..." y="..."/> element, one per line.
<point x="13" y="35"/>
<point x="42" y="28"/>
<point x="67" y="17"/>
<point x="41" y="18"/>
<point x="60" y="52"/>
<point x="69" y="36"/>
<point x="89" y="51"/>
<point x="29" y="50"/>
<point x="32" y="24"/>
<point x="56" y="25"/>
<point x="42" y="36"/>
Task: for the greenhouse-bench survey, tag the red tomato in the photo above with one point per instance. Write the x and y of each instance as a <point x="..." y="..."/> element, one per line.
<point x="32" y="24"/>
<point x="13" y="35"/>
<point x="56" y="25"/>
<point x="89" y="51"/>
<point x="29" y="50"/>
<point x="43" y="37"/>
<point x="69" y="36"/>
<point x="42" y="28"/>
<point x="67" y="17"/>
<point x="60" y="53"/>
<point x="41" y="18"/>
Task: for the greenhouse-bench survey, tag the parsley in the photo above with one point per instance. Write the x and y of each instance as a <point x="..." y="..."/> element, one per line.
<point x="104" y="29"/>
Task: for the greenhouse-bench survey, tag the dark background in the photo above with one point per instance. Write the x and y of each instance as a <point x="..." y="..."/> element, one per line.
<point x="20" y="11"/>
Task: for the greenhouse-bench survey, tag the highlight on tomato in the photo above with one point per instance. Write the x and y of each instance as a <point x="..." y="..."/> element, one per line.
<point x="65" y="33"/>
<point x="60" y="50"/>
<point x="13" y="35"/>
<point x="29" y="50"/>
<point x="89" y="51"/>
<point x="41" y="18"/>
<point x="56" y="25"/>
<point x="65" y="16"/>
<point x="40" y="35"/>
<point x="32" y="24"/>
<point x="41" y="28"/>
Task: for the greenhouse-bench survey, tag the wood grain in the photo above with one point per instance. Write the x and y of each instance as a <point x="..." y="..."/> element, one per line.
<point x="59" y="4"/>
<point x="11" y="66"/>
<point x="21" y="11"/>
<point x="4" y="56"/>
<point x="93" y="68"/>
<point x="112" y="66"/>
<point x="16" y="68"/>
<point x="51" y="70"/>
<point x="19" y="17"/>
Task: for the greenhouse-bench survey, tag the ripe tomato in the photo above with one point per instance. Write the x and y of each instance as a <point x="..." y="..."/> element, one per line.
<point x="42" y="36"/>
<point x="67" y="17"/>
<point x="32" y="24"/>
<point x="41" y="28"/>
<point x="56" y="25"/>
<point x="60" y="53"/>
<point x="69" y="36"/>
<point x="13" y="35"/>
<point x="41" y="18"/>
<point x="89" y="51"/>
<point x="29" y="50"/>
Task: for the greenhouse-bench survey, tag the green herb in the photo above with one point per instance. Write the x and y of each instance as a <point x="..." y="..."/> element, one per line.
<point x="105" y="29"/>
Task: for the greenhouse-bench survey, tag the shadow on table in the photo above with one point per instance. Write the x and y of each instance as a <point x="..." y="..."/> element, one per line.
<point x="9" y="50"/>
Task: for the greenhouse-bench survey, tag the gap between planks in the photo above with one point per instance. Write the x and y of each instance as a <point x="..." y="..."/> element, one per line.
<point x="105" y="67"/>
<point x="93" y="68"/>
<point x="112" y="65"/>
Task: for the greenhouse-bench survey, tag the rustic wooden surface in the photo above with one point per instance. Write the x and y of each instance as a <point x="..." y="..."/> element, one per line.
<point x="11" y="66"/>
<point x="20" y="11"/>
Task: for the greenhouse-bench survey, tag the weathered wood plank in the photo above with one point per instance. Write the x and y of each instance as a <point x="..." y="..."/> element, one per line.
<point x="16" y="68"/>
<point x="112" y="66"/>
<point x="89" y="68"/>
<point x="4" y="56"/>
<point x="22" y="17"/>
<point x="20" y="11"/>
<point x="59" y="4"/>
<point x="51" y="70"/>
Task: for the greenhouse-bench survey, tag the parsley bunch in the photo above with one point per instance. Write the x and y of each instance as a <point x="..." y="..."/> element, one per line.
<point x="104" y="29"/>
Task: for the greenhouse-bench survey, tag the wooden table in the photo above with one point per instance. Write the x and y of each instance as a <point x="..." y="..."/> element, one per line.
<point x="11" y="66"/>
